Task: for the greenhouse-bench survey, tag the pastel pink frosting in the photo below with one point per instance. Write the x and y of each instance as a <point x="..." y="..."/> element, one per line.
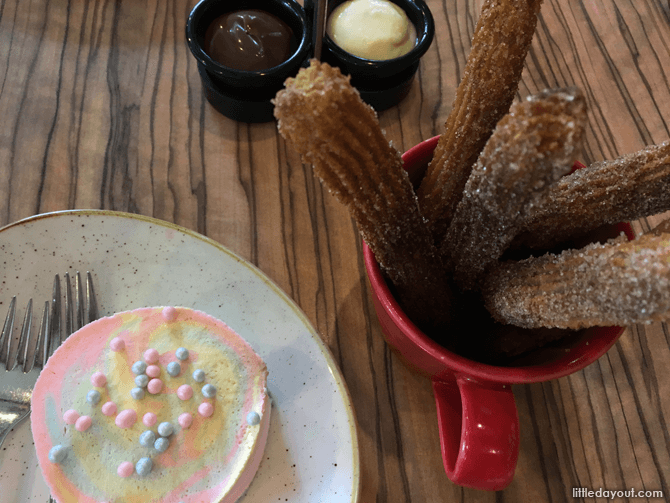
<point x="214" y="466"/>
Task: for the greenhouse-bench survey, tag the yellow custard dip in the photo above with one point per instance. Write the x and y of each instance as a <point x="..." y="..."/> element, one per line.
<point x="371" y="29"/>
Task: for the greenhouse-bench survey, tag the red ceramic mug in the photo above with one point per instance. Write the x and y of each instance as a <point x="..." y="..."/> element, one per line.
<point x="476" y="414"/>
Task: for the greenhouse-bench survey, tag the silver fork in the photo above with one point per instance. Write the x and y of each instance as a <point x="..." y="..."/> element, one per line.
<point x="82" y="311"/>
<point x="17" y="387"/>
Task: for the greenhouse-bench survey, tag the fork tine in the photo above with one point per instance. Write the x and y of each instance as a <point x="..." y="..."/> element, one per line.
<point x="7" y="329"/>
<point x="78" y="300"/>
<point x="20" y="356"/>
<point x="91" y="304"/>
<point x="69" y="316"/>
<point x="55" y="318"/>
<point x="29" y="363"/>
<point x="42" y="348"/>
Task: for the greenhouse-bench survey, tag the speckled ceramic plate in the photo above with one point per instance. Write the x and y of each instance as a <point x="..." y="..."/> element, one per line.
<point x="312" y="451"/>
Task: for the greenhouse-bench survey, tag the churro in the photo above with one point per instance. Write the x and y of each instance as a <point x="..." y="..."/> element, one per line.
<point x="618" y="283"/>
<point x="531" y="147"/>
<point x="324" y="118"/>
<point x="502" y="37"/>
<point x="630" y="187"/>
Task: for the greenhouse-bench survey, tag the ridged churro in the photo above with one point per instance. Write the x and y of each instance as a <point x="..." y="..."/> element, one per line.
<point x="531" y="147"/>
<point x="323" y="117"/>
<point x="630" y="187"/>
<point x="502" y="37"/>
<point x="618" y="283"/>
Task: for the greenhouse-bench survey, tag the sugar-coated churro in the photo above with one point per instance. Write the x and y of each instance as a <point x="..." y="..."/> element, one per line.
<point x="617" y="283"/>
<point x="323" y="117"/>
<point x="630" y="187"/>
<point x="531" y="147"/>
<point x="490" y="80"/>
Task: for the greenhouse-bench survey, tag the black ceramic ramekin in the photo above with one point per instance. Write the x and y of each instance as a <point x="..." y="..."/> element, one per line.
<point x="384" y="83"/>
<point x="245" y="95"/>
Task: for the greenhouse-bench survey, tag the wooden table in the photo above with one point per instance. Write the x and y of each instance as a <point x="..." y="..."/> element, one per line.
<point x="101" y="107"/>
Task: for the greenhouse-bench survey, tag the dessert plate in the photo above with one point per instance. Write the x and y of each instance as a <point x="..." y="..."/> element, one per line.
<point x="312" y="450"/>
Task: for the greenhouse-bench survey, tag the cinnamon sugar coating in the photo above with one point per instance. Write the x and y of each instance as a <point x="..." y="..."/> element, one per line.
<point x="490" y="81"/>
<point x="324" y="119"/>
<point x="627" y="188"/>
<point x="531" y="148"/>
<point x="618" y="283"/>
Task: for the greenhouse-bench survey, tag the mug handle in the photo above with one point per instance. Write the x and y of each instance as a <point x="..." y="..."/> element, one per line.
<point x="479" y="432"/>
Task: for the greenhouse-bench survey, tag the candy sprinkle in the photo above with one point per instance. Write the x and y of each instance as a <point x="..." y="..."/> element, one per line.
<point x="139" y="367"/>
<point x="147" y="438"/>
<point x="161" y="444"/>
<point x="151" y="355"/>
<point x="98" y="379"/>
<point x="137" y="393"/>
<point x="109" y="408"/>
<point x="142" y="380"/>
<point x="70" y="416"/>
<point x="253" y="418"/>
<point x="126" y="418"/>
<point x="184" y="392"/>
<point x="83" y="423"/>
<point x="143" y="466"/>
<point x="165" y="429"/>
<point x="185" y="420"/>
<point x="169" y="313"/>
<point x="93" y="397"/>
<point x="155" y="386"/>
<point x="208" y="391"/>
<point x="206" y="409"/>
<point x="149" y="419"/>
<point x="174" y="369"/>
<point x="125" y="469"/>
<point x="117" y="344"/>
<point x="57" y="454"/>
<point x="181" y="353"/>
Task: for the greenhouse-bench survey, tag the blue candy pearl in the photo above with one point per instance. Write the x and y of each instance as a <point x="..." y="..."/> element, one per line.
<point x="208" y="391"/>
<point x="142" y="380"/>
<point x="139" y="367"/>
<point x="93" y="397"/>
<point x="137" y="393"/>
<point x="199" y="375"/>
<point x="161" y="444"/>
<point x="173" y="368"/>
<point x="57" y="454"/>
<point x="253" y="418"/>
<point x="147" y="438"/>
<point x="165" y="429"/>
<point x="143" y="466"/>
<point x="181" y="353"/>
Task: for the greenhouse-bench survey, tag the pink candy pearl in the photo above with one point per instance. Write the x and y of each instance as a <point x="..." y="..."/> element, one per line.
<point x="169" y="313"/>
<point x="206" y="409"/>
<point x="70" y="416"/>
<point x="126" y="418"/>
<point x="184" y="392"/>
<point x="83" y="423"/>
<point x="153" y="371"/>
<point x="117" y="344"/>
<point x="98" y="379"/>
<point x="109" y="408"/>
<point x="151" y="355"/>
<point x="149" y="419"/>
<point x="125" y="469"/>
<point x="185" y="420"/>
<point x="155" y="386"/>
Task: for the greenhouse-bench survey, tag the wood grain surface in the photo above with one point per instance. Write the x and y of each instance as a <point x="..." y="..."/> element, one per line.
<point x="101" y="107"/>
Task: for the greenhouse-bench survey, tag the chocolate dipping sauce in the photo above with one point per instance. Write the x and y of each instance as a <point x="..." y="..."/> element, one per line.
<point x="250" y="40"/>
